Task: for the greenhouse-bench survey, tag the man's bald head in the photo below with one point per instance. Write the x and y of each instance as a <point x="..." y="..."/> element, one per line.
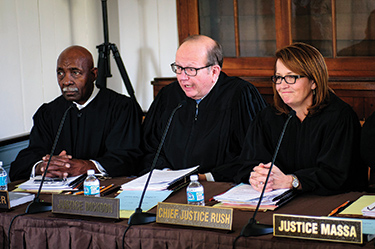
<point x="76" y="74"/>
<point x="74" y="52"/>
<point x="214" y="51"/>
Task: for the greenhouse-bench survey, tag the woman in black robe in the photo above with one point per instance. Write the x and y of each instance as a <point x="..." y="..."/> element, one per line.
<point x="320" y="149"/>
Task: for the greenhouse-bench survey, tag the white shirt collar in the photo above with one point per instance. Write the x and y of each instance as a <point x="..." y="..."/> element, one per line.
<point x="93" y="95"/>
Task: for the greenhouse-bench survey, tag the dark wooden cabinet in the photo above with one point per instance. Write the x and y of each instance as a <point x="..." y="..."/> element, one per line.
<point x="251" y="30"/>
<point x="358" y="92"/>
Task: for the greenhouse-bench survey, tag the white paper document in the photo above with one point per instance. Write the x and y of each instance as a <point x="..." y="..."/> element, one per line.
<point x="18" y="198"/>
<point x="245" y="194"/>
<point x="369" y="210"/>
<point x="48" y="184"/>
<point x="129" y="200"/>
<point x="160" y="179"/>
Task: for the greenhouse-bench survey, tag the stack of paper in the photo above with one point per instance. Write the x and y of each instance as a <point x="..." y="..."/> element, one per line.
<point x="244" y="196"/>
<point x="157" y="190"/>
<point x="160" y="179"/>
<point x="17" y="198"/>
<point x="48" y="184"/>
<point x="355" y="211"/>
<point x="369" y="210"/>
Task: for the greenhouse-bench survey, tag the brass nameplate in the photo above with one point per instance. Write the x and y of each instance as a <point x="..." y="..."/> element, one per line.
<point x="4" y="200"/>
<point x="318" y="228"/>
<point x="86" y="205"/>
<point x="197" y="216"/>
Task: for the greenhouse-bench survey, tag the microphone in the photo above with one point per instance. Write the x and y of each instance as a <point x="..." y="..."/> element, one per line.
<point x="37" y="206"/>
<point x="252" y="228"/>
<point x="140" y="217"/>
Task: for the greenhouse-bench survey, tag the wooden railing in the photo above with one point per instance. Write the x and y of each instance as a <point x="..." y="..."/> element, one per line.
<point x="359" y="92"/>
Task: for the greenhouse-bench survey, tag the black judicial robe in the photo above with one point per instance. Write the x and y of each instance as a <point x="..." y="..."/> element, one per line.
<point x="107" y="130"/>
<point x="209" y="135"/>
<point x="368" y="142"/>
<point x="322" y="151"/>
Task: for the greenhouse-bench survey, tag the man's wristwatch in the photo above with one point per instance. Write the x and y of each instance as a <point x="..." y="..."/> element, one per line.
<point x="295" y="182"/>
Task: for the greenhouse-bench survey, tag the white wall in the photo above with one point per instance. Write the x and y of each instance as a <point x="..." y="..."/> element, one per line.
<point x="148" y="40"/>
<point x="34" y="32"/>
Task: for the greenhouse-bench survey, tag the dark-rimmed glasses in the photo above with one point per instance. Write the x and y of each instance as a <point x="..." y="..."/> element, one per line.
<point x="189" y="71"/>
<point x="289" y="79"/>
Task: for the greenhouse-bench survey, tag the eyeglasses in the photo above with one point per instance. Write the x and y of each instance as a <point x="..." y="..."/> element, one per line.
<point x="189" y="71"/>
<point x="289" y="79"/>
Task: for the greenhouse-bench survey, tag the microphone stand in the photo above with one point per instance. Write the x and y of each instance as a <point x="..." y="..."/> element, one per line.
<point x="140" y="217"/>
<point x="38" y="206"/>
<point x="253" y="228"/>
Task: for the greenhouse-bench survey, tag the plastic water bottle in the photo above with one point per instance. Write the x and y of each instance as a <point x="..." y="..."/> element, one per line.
<point x="91" y="184"/>
<point x="3" y="178"/>
<point x="195" y="192"/>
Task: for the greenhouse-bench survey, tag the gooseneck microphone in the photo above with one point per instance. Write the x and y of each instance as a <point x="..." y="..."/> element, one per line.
<point x="252" y="228"/>
<point x="37" y="206"/>
<point x="140" y="217"/>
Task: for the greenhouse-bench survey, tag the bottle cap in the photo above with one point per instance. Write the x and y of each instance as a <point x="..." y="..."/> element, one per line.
<point x="194" y="178"/>
<point x="90" y="172"/>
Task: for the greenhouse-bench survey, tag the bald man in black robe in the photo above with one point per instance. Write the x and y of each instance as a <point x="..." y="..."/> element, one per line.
<point x="210" y="128"/>
<point x="102" y="130"/>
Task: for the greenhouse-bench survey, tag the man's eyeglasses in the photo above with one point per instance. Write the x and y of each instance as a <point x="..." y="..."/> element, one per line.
<point x="189" y="71"/>
<point x="289" y="79"/>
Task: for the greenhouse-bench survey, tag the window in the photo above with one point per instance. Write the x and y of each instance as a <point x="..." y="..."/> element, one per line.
<point x="252" y="30"/>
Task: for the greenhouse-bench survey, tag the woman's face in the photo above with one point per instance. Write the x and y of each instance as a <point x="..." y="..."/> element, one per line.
<point x="298" y="96"/>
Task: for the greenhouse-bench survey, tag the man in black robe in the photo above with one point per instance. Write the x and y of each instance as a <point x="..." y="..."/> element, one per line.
<point x="102" y="130"/>
<point x="210" y="128"/>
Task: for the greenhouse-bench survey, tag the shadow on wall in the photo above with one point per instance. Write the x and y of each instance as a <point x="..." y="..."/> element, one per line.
<point x="366" y="47"/>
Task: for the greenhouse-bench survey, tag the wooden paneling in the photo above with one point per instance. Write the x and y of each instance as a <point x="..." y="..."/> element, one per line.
<point x="187" y="18"/>
<point x="357" y="92"/>
<point x="352" y="78"/>
<point x="188" y="24"/>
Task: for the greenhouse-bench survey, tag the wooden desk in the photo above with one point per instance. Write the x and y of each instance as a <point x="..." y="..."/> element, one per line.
<point x="48" y="230"/>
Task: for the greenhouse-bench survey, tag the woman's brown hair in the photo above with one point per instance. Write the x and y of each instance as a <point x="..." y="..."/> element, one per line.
<point x="305" y="60"/>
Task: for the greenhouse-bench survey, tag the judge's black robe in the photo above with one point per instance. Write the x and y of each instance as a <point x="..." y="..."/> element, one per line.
<point x="368" y="142"/>
<point x="107" y="130"/>
<point x="209" y="135"/>
<point x="322" y="150"/>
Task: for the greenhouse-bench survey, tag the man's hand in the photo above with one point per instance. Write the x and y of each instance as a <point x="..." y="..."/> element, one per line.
<point x="63" y="166"/>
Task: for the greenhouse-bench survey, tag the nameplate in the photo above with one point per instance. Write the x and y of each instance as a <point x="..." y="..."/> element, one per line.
<point x="86" y="205"/>
<point x="197" y="216"/>
<point x="318" y="228"/>
<point x="4" y="200"/>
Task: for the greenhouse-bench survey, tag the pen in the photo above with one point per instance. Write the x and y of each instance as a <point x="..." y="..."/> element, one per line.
<point x="77" y="181"/>
<point x="78" y="186"/>
<point x="282" y="195"/>
<point x="110" y="191"/>
<point x="284" y="200"/>
<point x="108" y="187"/>
<point x="339" y="208"/>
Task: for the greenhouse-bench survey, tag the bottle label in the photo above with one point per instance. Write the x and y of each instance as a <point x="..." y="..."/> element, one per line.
<point x="3" y="180"/>
<point x="91" y="190"/>
<point x="195" y="196"/>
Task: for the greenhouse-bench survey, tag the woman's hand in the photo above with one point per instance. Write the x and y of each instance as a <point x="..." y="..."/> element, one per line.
<point x="277" y="179"/>
<point x="258" y="178"/>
